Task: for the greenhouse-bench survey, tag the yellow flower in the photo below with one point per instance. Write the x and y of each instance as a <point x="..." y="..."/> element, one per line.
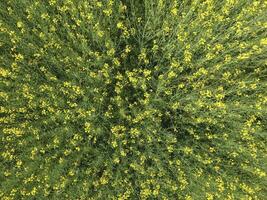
<point x="171" y="74"/>
<point x="19" y="24"/>
<point x="174" y="11"/>
<point x="120" y="25"/>
<point x="264" y="41"/>
<point x="188" y="150"/>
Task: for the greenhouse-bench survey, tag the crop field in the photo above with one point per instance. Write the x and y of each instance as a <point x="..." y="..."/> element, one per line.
<point x="133" y="99"/>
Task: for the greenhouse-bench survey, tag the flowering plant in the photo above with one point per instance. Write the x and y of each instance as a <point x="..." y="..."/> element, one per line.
<point x="132" y="99"/>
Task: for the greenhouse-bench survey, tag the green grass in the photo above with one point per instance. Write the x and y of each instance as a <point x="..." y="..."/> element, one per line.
<point x="132" y="99"/>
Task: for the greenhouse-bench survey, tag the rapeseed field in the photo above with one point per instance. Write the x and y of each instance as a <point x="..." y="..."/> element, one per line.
<point x="133" y="99"/>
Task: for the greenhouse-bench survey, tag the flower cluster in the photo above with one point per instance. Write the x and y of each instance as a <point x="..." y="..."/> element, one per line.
<point x="124" y="99"/>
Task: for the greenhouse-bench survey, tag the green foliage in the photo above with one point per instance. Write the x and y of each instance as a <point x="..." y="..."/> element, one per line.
<point x="131" y="99"/>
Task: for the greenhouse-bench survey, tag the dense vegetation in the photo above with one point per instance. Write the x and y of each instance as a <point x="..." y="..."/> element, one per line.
<point x="133" y="99"/>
